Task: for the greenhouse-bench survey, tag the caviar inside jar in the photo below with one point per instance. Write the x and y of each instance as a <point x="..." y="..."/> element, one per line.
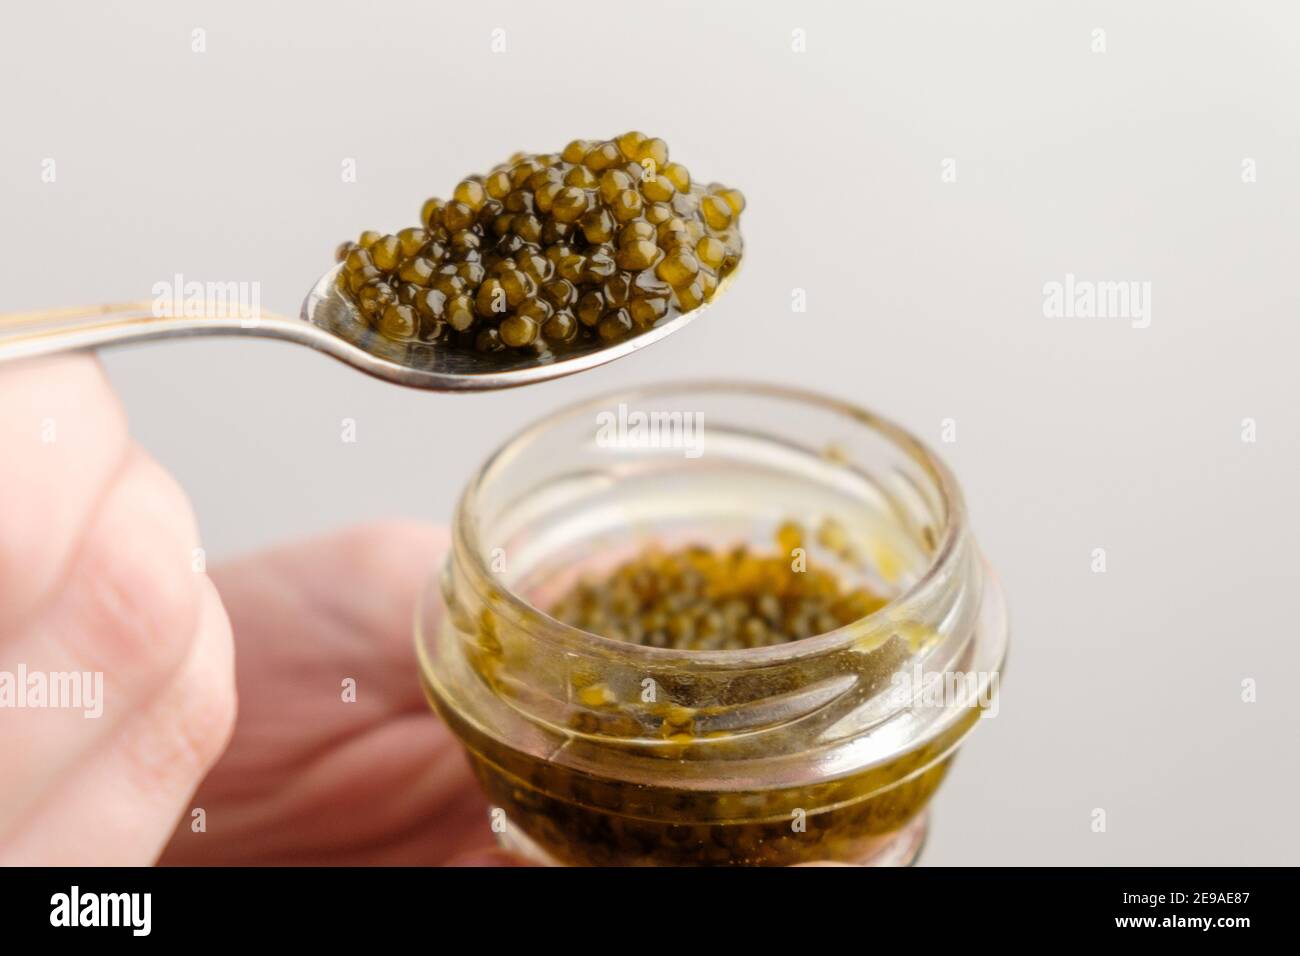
<point x="692" y="599"/>
<point x="563" y="816"/>
<point x="550" y="251"/>
<point x="701" y="599"/>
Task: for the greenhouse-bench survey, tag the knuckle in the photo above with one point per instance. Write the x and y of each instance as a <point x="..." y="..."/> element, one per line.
<point x="205" y="722"/>
<point x="190" y="725"/>
<point x="142" y="598"/>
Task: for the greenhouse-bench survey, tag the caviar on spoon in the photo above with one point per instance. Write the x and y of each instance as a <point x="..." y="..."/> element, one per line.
<point x="547" y="265"/>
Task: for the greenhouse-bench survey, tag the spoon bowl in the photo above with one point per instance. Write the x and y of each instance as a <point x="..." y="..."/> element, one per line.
<point x="328" y="323"/>
<point x="427" y="365"/>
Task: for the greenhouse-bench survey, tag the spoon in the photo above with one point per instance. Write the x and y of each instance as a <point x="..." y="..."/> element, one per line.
<point x="331" y="324"/>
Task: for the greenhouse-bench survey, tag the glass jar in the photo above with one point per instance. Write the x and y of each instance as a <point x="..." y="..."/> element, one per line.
<point x="601" y="751"/>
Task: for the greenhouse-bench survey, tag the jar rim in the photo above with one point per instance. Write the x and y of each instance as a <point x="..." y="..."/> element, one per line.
<point x="521" y="612"/>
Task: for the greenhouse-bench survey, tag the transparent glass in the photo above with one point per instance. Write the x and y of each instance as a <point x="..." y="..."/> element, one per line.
<point x="601" y="751"/>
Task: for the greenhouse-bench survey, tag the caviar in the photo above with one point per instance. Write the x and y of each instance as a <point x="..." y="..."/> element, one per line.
<point x="544" y="252"/>
<point x="691" y="599"/>
<point x="579" y="819"/>
<point x="698" y="598"/>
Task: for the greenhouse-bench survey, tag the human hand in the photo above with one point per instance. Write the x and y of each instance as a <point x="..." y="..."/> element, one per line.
<point x="309" y="778"/>
<point x="97" y="558"/>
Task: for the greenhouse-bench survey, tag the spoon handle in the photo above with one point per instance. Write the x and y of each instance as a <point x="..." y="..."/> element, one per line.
<point x="29" y="334"/>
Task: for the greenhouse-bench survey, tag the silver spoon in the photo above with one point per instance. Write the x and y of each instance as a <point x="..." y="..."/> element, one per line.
<point x="329" y="323"/>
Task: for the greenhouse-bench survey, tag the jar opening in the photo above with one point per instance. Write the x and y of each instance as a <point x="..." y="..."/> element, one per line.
<point x="708" y="433"/>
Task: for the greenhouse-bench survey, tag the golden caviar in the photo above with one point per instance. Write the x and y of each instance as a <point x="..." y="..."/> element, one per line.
<point x="699" y="598"/>
<point x="595" y="243"/>
<point x="690" y="599"/>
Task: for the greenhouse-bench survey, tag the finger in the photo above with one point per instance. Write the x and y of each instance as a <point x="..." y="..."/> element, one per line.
<point x="62" y="438"/>
<point x="119" y="806"/>
<point x="351" y="597"/>
<point x="398" y="794"/>
<point x="373" y="778"/>
<point x="126" y="618"/>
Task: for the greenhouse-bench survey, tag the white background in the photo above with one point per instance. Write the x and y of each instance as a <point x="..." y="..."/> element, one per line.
<point x="925" y="302"/>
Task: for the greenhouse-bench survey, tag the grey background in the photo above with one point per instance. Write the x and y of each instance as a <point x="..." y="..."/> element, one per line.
<point x="924" y="302"/>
